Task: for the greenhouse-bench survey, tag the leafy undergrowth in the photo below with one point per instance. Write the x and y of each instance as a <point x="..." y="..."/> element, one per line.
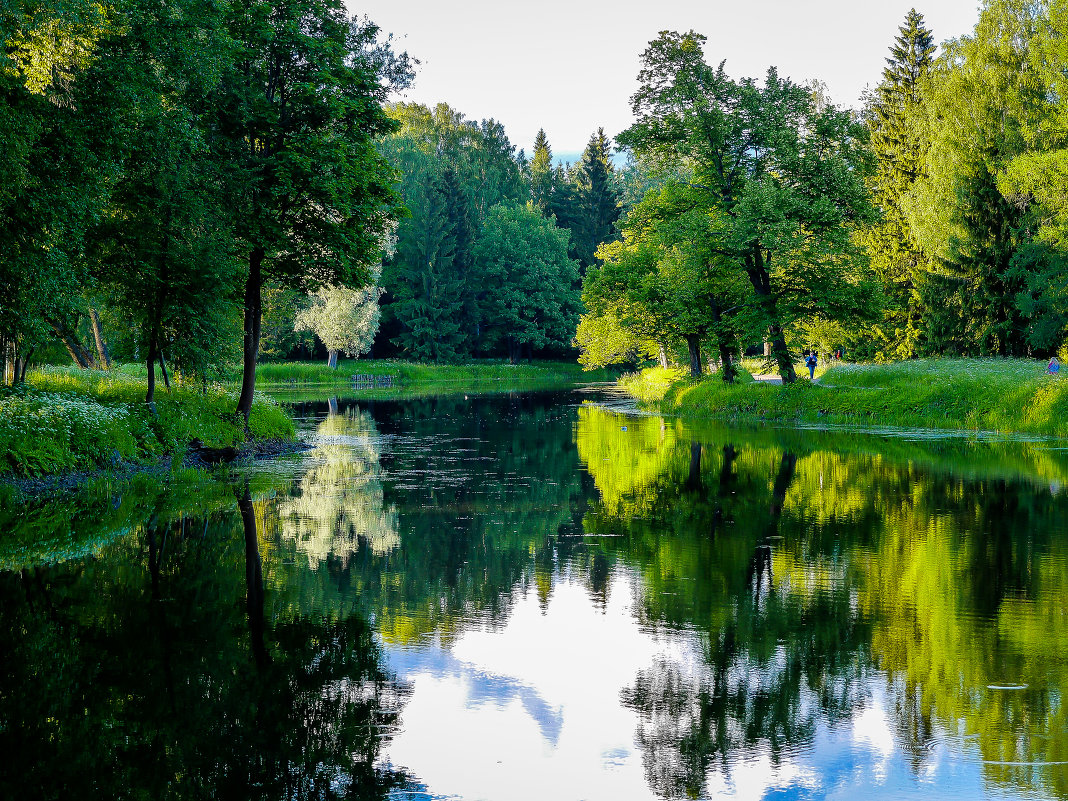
<point x="975" y="394"/>
<point x="70" y="419"/>
<point x="422" y="375"/>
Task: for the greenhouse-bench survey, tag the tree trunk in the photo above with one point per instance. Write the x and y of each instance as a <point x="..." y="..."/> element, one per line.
<point x="102" y="355"/>
<point x="10" y="363"/>
<point x="163" y="371"/>
<point x="331" y="359"/>
<point x="663" y="355"/>
<point x="783" y="360"/>
<point x="79" y="355"/>
<point x="693" y="344"/>
<point x="21" y="365"/>
<point x="728" y="372"/>
<point x="757" y="270"/>
<point x="251" y="340"/>
<point x="254" y="594"/>
<point x="150" y="363"/>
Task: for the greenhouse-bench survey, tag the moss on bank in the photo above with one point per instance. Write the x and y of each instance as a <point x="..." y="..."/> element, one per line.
<point x="68" y="419"/>
<point x="974" y="394"/>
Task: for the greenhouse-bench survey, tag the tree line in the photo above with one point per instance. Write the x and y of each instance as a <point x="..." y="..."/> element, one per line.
<point x="931" y="221"/>
<point x="164" y="162"/>
<point x="193" y="185"/>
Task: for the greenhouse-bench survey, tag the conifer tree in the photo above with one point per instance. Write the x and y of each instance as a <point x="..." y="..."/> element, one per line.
<point x="541" y="172"/>
<point x="900" y="147"/>
<point x="598" y="200"/>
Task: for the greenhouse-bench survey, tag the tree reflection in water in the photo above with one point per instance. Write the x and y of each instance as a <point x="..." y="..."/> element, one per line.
<point x="339" y="500"/>
<point x="816" y="572"/>
<point x="159" y="670"/>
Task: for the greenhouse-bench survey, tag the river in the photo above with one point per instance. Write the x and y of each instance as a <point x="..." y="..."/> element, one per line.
<point x="547" y="596"/>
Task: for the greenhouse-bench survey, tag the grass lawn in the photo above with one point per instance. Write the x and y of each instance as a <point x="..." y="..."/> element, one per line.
<point x="975" y="394"/>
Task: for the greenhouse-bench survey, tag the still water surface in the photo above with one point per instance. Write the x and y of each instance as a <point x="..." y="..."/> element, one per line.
<point x="547" y="596"/>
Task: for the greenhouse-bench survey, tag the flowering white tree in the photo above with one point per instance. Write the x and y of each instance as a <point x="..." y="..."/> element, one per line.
<point x="344" y="319"/>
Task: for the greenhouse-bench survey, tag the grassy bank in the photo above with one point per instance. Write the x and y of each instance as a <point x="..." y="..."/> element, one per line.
<point x="67" y="419"/>
<point x="974" y="394"/>
<point x="427" y="377"/>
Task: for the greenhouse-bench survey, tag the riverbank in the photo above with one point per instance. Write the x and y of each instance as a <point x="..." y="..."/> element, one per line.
<point x="70" y="420"/>
<point x="969" y="394"/>
<point x="428" y="378"/>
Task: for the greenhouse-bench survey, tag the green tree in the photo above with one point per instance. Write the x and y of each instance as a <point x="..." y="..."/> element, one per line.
<point x="541" y="172"/>
<point x="529" y="287"/>
<point x="305" y="91"/>
<point x="164" y="252"/>
<point x="598" y="200"/>
<point x="984" y="92"/>
<point x="899" y="143"/>
<point x="667" y="281"/>
<point x="786" y="172"/>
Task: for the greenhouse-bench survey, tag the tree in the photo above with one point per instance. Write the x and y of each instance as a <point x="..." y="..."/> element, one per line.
<point x="451" y="171"/>
<point x="598" y="200"/>
<point x="899" y="144"/>
<point x="344" y="319"/>
<point x="541" y="172"/>
<point x="983" y="94"/>
<point x="54" y="165"/>
<point x="164" y="251"/>
<point x="313" y="197"/>
<point x="529" y="294"/>
<point x="786" y="172"/>
<point x="667" y="281"/>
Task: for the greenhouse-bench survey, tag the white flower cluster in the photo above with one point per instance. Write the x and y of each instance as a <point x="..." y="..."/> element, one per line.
<point x="58" y="415"/>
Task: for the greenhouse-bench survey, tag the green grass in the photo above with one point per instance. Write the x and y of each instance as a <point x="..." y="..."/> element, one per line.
<point x="71" y="419"/>
<point x="420" y="376"/>
<point x="972" y="394"/>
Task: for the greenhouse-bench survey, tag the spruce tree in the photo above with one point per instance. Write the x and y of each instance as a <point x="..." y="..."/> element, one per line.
<point x="598" y="198"/>
<point x="900" y="148"/>
<point x="541" y="172"/>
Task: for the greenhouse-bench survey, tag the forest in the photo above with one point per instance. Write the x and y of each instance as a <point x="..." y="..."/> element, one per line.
<point x="200" y="186"/>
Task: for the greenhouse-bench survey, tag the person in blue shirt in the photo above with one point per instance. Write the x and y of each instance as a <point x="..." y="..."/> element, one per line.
<point x="810" y="362"/>
<point x="1054" y="366"/>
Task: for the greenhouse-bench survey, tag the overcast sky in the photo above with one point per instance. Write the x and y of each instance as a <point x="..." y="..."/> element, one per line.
<point x="570" y="67"/>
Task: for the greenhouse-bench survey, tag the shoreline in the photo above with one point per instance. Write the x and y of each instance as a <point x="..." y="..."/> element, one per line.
<point x="32" y="488"/>
<point x="993" y="396"/>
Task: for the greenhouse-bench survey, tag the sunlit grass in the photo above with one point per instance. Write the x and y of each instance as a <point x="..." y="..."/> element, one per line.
<point x="986" y="394"/>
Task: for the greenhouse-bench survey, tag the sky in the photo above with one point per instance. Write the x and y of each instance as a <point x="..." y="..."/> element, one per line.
<point x="571" y="67"/>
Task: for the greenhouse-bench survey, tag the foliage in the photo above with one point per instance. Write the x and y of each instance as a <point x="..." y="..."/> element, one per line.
<point x="529" y="295"/>
<point x="69" y="419"/>
<point x="899" y="144"/>
<point x="345" y="320"/>
<point x="784" y="169"/>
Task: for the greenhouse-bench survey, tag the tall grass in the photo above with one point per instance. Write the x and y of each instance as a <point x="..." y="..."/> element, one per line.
<point x="986" y="394"/>
<point x="72" y="419"/>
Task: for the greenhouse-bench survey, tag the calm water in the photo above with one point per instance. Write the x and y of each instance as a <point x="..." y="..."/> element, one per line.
<point x="547" y="597"/>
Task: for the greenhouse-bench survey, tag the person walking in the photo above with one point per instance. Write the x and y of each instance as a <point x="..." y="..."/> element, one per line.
<point x="810" y="362"/>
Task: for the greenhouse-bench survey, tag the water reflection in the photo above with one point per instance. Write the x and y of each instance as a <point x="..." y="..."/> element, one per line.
<point x="339" y="500"/>
<point x="162" y="667"/>
<point x="531" y="597"/>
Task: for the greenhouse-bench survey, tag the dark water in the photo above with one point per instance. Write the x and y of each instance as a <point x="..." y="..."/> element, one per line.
<point x="534" y="597"/>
